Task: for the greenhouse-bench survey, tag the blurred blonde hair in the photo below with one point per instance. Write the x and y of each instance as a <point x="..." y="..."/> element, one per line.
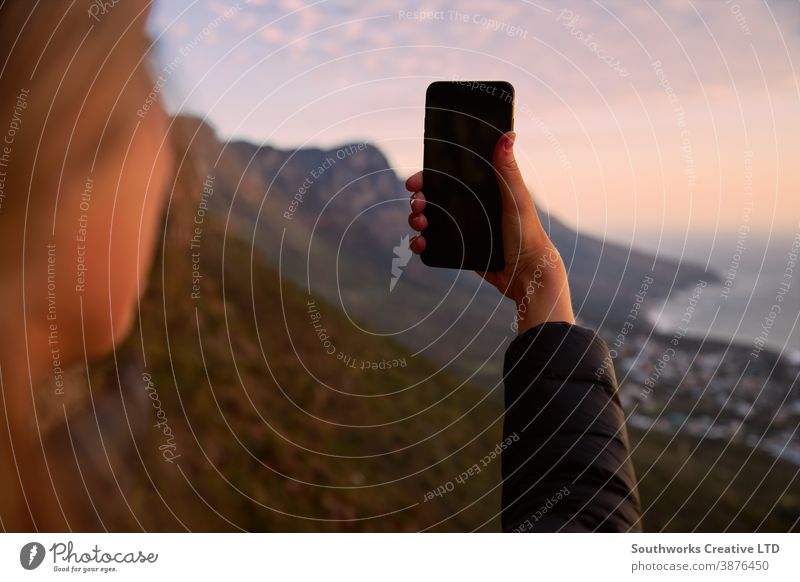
<point x="73" y="75"/>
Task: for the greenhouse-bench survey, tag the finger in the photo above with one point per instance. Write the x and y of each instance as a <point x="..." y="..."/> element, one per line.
<point x="418" y="203"/>
<point x="417" y="244"/>
<point x="417" y="221"/>
<point x="414" y="183"/>
<point x="516" y="198"/>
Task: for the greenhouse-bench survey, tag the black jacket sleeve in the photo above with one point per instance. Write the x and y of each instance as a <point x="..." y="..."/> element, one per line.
<point x="566" y="465"/>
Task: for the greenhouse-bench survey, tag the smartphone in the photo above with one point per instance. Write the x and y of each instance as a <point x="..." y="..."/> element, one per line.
<point x="463" y="122"/>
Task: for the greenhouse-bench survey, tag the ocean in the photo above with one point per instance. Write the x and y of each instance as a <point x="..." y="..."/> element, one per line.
<point x="756" y="304"/>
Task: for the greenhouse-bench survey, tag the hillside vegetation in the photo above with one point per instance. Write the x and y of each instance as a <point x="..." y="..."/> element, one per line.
<point x="255" y="405"/>
<point x="275" y="434"/>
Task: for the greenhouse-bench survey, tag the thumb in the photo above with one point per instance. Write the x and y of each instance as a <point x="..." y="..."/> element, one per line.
<point x="518" y="206"/>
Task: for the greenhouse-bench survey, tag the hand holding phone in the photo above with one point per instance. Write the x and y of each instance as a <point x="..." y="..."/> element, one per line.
<point x="534" y="275"/>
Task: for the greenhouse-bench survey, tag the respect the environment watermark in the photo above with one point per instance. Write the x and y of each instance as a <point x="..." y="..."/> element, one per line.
<point x="53" y="342"/>
<point x="168" y="70"/>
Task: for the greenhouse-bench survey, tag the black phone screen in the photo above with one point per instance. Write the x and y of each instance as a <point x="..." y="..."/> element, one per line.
<point x="463" y="121"/>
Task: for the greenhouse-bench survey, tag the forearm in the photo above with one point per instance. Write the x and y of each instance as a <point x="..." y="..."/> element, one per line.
<point x="541" y="291"/>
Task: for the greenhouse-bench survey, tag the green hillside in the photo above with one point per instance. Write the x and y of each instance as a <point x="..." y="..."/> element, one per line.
<point x="688" y="485"/>
<point x="263" y="443"/>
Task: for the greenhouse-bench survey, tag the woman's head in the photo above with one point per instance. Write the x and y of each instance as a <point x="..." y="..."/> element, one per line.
<point x="84" y="175"/>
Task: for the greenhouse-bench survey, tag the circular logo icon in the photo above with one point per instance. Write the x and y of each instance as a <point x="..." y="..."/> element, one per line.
<point x="31" y="555"/>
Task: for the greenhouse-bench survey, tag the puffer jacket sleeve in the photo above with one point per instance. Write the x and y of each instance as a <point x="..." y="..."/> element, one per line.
<point x="566" y="465"/>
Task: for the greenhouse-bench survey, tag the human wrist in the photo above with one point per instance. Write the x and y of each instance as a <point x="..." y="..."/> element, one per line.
<point x="541" y="294"/>
<point x="529" y="316"/>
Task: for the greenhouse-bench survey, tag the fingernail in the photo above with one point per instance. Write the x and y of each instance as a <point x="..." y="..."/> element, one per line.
<point x="508" y="144"/>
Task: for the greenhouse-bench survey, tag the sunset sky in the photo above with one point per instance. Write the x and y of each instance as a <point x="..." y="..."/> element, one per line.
<point x="633" y="118"/>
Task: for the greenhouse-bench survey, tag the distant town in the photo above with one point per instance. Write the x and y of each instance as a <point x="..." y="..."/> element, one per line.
<point x="711" y="390"/>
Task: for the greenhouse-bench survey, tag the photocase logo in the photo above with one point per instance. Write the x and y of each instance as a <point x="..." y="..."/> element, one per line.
<point x="402" y="257"/>
<point x="31" y="555"/>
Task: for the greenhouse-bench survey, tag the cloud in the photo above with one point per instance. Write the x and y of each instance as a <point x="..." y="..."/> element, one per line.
<point x="713" y="57"/>
<point x="274" y="35"/>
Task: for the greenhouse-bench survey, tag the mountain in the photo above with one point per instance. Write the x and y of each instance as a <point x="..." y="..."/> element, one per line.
<point x="329" y="220"/>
